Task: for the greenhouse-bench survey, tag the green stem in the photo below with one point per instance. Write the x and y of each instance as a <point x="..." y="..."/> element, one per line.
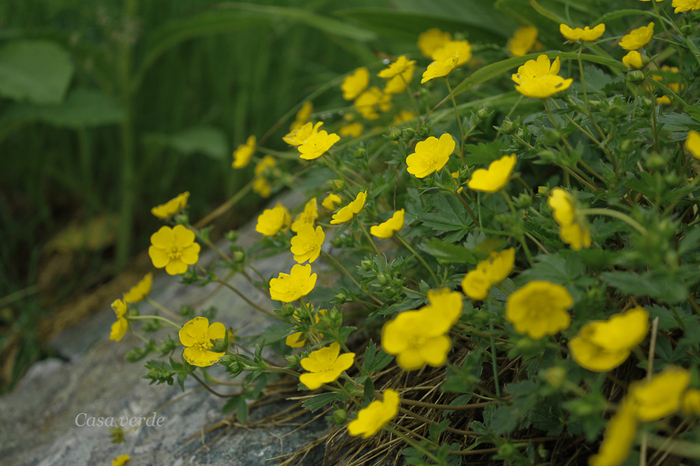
<point x="619" y="215"/>
<point x="226" y="205"/>
<point x="162" y="309"/>
<point x="167" y="321"/>
<point x="469" y="209"/>
<point x="494" y="362"/>
<point x="371" y="241"/>
<point x="459" y="122"/>
<point x="241" y="295"/>
<point x="340" y="266"/>
<point x="415" y="445"/>
<point x="420" y="259"/>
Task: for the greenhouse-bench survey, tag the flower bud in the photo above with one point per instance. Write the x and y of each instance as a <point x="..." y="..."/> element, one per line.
<point x="555" y="376"/>
<point x="394" y="134"/>
<point x="340" y="297"/>
<point x="547" y="156"/>
<point x="482" y="113"/>
<point x="238" y="257"/>
<point x="654" y="161"/>
<point x="551" y="136"/>
<point x="635" y="77"/>
<point x="671" y="178"/>
<point x="408" y="133"/>
<point x="524" y="201"/>
<point x="232" y="236"/>
<point x="360" y="152"/>
<point x="287" y="310"/>
<point x="424" y="131"/>
<point x="366" y="264"/>
<point x="382" y="279"/>
<point x="340" y="416"/>
<point x="293" y="359"/>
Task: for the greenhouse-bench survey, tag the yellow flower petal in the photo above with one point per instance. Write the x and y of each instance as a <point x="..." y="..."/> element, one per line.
<point x="539" y="309"/>
<point x="637" y="38"/>
<point x="171" y="207"/>
<point x="387" y="229"/>
<point x="243" y="153"/>
<point x="692" y="144"/>
<point x="371" y="419"/>
<point x="349" y="211"/>
<point x="430" y="155"/>
<point x="355" y="83"/>
<point x="495" y="177"/>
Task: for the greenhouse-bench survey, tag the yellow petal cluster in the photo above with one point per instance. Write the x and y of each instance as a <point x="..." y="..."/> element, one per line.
<point x="438" y="69"/>
<point x="620" y="433"/>
<point x="601" y="346"/>
<point x="290" y="287"/>
<point x="306" y="245"/>
<point x="494" y="178"/>
<point x="120" y="327"/>
<point x="325" y="366"/>
<point x="330" y="201"/>
<point x="302" y="117"/>
<point x="297" y="137"/>
<point x="431" y="40"/>
<point x="573" y="229"/>
<point x="418" y="338"/>
<point x="539" y="78"/>
<point x="539" y="309"/>
<point x="522" y="41"/>
<point x="692" y="144"/>
<point x="243" y="153"/>
<point x="685" y="5"/>
<point x="637" y="38"/>
<point x="196" y="336"/>
<point x="298" y="339"/>
<point x="172" y="207"/>
<point x="454" y="48"/>
<point x="138" y="292"/>
<point x="690" y="404"/>
<point x="387" y="229"/>
<point x="371" y="102"/>
<point x="353" y="129"/>
<point x="120" y="460"/>
<point x="260" y="183"/>
<point x="355" y="83"/>
<point x="661" y="396"/>
<point x="495" y="269"/>
<point x="317" y="144"/>
<point x="348" y="212"/>
<point x="632" y="60"/>
<point x="401" y="65"/>
<point x="584" y="35"/>
<point x="371" y="419"/>
<point x="174" y="249"/>
<point x="430" y="155"/>
<point x="308" y="216"/>
<point x="273" y="220"/>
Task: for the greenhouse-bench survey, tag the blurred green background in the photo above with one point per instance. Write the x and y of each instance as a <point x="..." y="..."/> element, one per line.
<point x="110" y="107"/>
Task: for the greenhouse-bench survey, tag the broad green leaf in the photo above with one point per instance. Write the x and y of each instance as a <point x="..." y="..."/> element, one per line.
<point x="664" y="287"/>
<point x="34" y="70"/>
<point x="319" y="401"/>
<point x="207" y="140"/>
<point x="83" y="108"/>
<point x="446" y="252"/>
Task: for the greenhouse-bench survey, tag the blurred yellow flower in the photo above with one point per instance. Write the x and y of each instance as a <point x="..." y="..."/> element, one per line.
<point x="685" y="5"/>
<point x="348" y="212"/>
<point x="601" y="346"/>
<point x="308" y="216"/>
<point x="476" y="285"/>
<point x="355" y="83"/>
<point x="539" y="79"/>
<point x="243" y="154"/>
<point x="290" y="287"/>
<point x="430" y="155"/>
<point x="353" y="129"/>
<point x="459" y="48"/>
<point x="174" y="249"/>
<point x="690" y="404"/>
<point x="620" y="433"/>
<point x="661" y="396"/>
<point x="372" y="100"/>
<point x="196" y="336"/>
<point x="399" y="83"/>
<point x="637" y="38"/>
<point x="297" y="137"/>
<point x="120" y="327"/>
<point x="584" y="35"/>
<point x="260" y="183"/>
<point x="539" y="309"/>
<point x="387" y="229"/>
<point x="495" y="269"/>
<point x="317" y="144"/>
<point x="445" y="305"/>
<point x="273" y="220"/>
<point x="120" y="460"/>
<point x="633" y="59"/>
<point x="403" y="115"/>
<point x="302" y="117"/>
<point x="438" y="69"/>
<point x="172" y="207"/>
<point x="306" y="245"/>
<point x="522" y="41"/>
<point x="371" y="419"/>
<point x="692" y="144"/>
<point x="573" y="229"/>
<point x="330" y="201"/>
<point x="325" y="366"/>
<point x="138" y="292"/>
<point x="398" y="67"/>
<point x="495" y="177"/>
<point x="431" y="40"/>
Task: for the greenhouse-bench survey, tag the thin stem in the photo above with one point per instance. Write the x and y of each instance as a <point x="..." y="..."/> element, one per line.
<point x="469" y="209"/>
<point x="339" y="173"/>
<point x="422" y="261"/>
<point x="225" y="206"/>
<point x="209" y="389"/>
<point x="459" y="122"/>
<point x="340" y="266"/>
<point x="167" y="321"/>
<point x="371" y="241"/>
<point x="415" y="445"/>
<point x="619" y="215"/>
<point x="162" y="308"/>
<point x="241" y="295"/>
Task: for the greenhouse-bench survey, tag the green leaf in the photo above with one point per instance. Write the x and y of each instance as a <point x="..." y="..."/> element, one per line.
<point x="83" y="108"/>
<point x="206" y="140"/>
<point x="319" y="401"/>
<point x="446" y="252"/>
<point x="448" y="215"/>
<point x="484" y="153"/>
<point x="375" y="360"/>
<point x="35" y="70"/>
<point x="663" y="287"/>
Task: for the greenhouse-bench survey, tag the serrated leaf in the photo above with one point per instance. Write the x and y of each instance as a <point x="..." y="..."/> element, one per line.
<point x="665" y="288"/>
<point x="35" y="70"/>
<point x="447" y="252"/>
<point x="319" y="401"/>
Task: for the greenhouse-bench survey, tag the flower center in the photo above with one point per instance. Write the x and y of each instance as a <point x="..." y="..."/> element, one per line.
<point x="417" y="341"/>
<point x="204" y="345"/>
<point x="175" y="252"/>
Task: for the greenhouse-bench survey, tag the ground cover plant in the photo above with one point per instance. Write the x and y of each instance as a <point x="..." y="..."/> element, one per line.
<point x="512" y="228"/>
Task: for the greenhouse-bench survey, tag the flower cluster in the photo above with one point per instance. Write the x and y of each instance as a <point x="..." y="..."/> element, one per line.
<point x="573" y="229"/>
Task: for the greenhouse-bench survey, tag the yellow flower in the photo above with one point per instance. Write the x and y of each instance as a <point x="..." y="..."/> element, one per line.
<point x="476" y="285"/>
<point x="459" y="48"/>
<point x="196" y="336"/>
<point x="330" y="201"/>
<point x="661" y="396"/>
<point x="685" y="5"/>
<point x="302" y="117"/>
<point x="317" y="145"/>
<point x="120" y="460"/>
<point x="273" y="220"/>
<point x="495" y="177"/>
<point x="348" y="212"/>
<point x="398" y="67"/>
<point x="174" y="249"/>
<point x="431" y="40"/>
<point x="387" y="229"/>
<point x="495" y="269"/>
<point x="572" y="230"/>
<point x="522" y="41"/>
<point x="297" y="137"/>
<point x="584" y="35"/>
<point x="120" y="327"/>
<point x="539" y="309"/>
<point x="171" y="207"/>
<point x="306" y="245"/>
<point x="371" y="419"/>
<point x="633" y="59"/>
<point x="403" y="115"/>
<point x="325" y="366"/>
<point x="637" y="38"/>
<point x="445" y="305"/>
<point x="353" y="129"/>
<point x="538" y="79"/>
<point x="603" y="345"/>
<point x="243" y="154"/>
<point x="369" y="101"/>
<point x="619" y="438"/>
<point x="260" y="184"/>
<point x="399" y="83"/>
<point x="290" y="287"/>
<point x="308" y="216"/>
<point x="690" y="404"/>
<point x="438" y="69"/>
<point x="138" y="292"/>
<point x="355" y="83"/>
<point x="692" y="144"/>
<point x="430" y="155"/>
<point x="298" y="339"/>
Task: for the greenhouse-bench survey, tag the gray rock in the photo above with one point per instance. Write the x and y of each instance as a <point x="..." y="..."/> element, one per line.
<point x="50" y="418"/>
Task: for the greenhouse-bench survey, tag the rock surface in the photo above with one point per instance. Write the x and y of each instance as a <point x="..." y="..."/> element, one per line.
<point x="47" y="418"/>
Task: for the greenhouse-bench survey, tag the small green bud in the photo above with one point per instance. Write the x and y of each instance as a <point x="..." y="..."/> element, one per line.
<point x="396" y="282"/>
<point x="340" y="416"/>
<point x="547" y="156"/>
<point x="543" y="191"/>
<point x="555" y="376"/>
<point x="671" y="178"/>
<point x="687" y="29"/>
<point x="482" y="113"/>
<point x="382" y="279"/>
<point x="338" y="185"/>
<point x="287" y="310"/>
<point x="655" y="161"/>
<point x="360" y="152"/>
<point x="626" y="145"/>
<point x="408" y="133"/>
<point x="508" y="126"/>
<point x="507" y="450"/>
<point x="340" y="297"/>
<point x="524" y="201"/>
<point x="232" y="236"/>
<point x="182" y="219"/>
<point x="366" y="264"/>
<point x="293" y="359"/>
<point x="394" y="134"/>
<point x="551" y="136"/>
<point x="635" y="77"/>
<point x="424" y="131"/>
<point x="238" y="257"/>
